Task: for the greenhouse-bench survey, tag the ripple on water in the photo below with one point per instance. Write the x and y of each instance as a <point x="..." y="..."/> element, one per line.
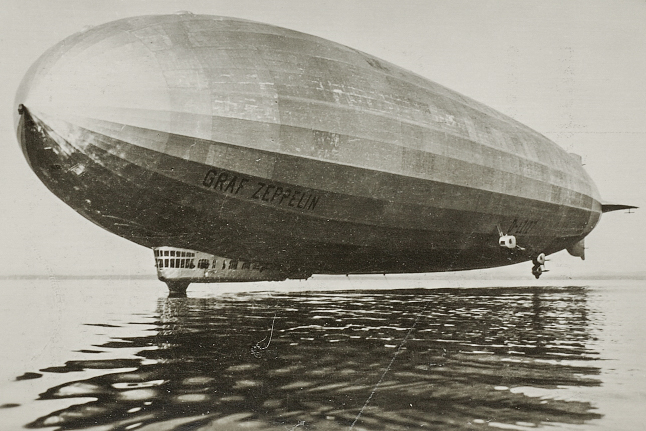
<point x="438" y="359"/>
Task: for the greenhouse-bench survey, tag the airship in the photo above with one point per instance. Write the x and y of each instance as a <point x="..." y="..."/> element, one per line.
<point x="242" y="151"/>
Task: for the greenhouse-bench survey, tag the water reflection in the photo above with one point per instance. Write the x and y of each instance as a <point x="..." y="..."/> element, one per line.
<point x="440" y="359"/>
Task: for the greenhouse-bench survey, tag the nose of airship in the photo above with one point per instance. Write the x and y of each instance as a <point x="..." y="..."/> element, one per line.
<point x="91" y="81"/>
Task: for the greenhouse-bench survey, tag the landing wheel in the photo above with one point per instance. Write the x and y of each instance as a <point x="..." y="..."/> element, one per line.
<point x="177" y="288"/>
<point x="537" y="270"/>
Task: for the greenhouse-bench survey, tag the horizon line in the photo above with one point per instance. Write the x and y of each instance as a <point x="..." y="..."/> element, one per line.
<point x="637" y="275"/>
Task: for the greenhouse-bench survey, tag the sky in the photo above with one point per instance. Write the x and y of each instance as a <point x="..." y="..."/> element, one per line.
<point x="574" y="71"/>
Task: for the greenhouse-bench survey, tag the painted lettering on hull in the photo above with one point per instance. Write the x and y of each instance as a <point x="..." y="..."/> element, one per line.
<point x="224" y="181"/>
<point x="234" y="184"/>
<point x="521" y="227"/>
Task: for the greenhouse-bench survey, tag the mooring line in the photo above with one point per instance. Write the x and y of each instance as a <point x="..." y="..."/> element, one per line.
<point x="399" y="349"/>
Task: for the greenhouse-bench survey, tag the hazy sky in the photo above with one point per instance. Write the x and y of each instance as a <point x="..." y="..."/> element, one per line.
<point x="572" y="70"/>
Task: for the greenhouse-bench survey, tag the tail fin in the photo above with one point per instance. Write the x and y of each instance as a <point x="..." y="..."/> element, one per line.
<point x="606" y="208"/>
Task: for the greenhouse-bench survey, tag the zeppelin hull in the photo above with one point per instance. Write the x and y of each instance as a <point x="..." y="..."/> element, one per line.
<point x="217" y="210"/>
<point x="253" y="142"/>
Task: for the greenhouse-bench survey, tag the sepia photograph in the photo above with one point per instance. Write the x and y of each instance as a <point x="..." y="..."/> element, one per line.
<point x="323" y="215"/>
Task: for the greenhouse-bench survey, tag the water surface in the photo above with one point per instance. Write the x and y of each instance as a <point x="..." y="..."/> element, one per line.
<point x="118" y="354"/>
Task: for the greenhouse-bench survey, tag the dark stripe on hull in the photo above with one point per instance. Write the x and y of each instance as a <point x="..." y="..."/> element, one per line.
<point x="354" y="194"/>
<point x="313" y="167"/>
<point x="173" y="206"/>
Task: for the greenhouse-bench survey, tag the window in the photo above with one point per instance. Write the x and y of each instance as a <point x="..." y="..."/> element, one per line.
<point x="165" y="252"/>
<point x="166" y="263"/>
<point x="191" y="264"/>
<point x="233" y="264"/>
<point x="160" y="263"/>
<point x="182" y="263"/>
<point x="203" y="263"/>
<point x="245" y="265"/>
<point x="172" y="252"/>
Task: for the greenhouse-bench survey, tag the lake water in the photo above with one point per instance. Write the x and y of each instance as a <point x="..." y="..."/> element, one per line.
<point x="327" y="354"/>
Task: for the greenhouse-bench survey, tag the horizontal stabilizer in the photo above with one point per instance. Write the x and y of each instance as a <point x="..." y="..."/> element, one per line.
<point x="606" y="208"/>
